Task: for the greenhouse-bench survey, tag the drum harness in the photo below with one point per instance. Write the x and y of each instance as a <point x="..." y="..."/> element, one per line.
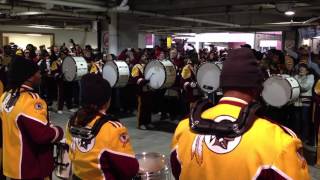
<point x="224" y="128"/>
<point x="84" y="134"/>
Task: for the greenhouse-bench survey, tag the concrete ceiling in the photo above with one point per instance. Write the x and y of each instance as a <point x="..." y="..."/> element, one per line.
<point x="165" y="16"/>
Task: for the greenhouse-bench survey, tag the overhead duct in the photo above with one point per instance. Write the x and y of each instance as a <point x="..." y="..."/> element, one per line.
<point x="70" y="4"/>
<point x="53" y="12"/>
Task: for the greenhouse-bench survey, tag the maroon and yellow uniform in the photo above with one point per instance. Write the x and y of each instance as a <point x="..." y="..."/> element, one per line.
<point x="265" y="151"/>
<point x="28" y="136"/>
<point x="108" y="156"/>
<point x="144" y="95"/>
<point x="190" y="91"/>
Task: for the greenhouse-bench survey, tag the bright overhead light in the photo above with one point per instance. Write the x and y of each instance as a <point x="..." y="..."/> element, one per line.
<point x="28" y="13"/>
<point x="42" y="27"/>
<point x="36" y="35"/>
<point x="289" y="13"/>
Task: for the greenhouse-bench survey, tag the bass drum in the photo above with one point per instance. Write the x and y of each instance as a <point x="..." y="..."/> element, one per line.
<point x="153" y="166"/>
<point x="73" y="68"/>
<point x="162" y="74"/>
<point x="208" y="76"/>
<point x="117" y="73"/>
<point x="62" y="160"/>
<point x="280" y="90"/>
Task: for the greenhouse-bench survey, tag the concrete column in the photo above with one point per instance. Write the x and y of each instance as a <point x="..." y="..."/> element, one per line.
<point x="128" y="32"/>
<point x="113" y="33"/>
<point x="142" y="40"/>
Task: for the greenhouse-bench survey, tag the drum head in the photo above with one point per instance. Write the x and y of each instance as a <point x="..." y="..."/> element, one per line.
<point x="151" y="162"/>
<point x="276" y="91"/>
<point x="69" y="68"/>
<point x="208" y="77"/>
<point x="155" y="72"/>
<point x="110" y="73"/>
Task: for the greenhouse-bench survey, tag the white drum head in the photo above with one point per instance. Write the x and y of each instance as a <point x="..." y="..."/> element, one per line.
<point x="155" y="72"/>
<point x="110" y="73"/>
<point x="69" y="68"/>
<point x="276" y="91"/>
<point x="208" y="77"/>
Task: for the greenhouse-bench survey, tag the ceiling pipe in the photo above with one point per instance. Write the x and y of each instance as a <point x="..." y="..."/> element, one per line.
<point x="124" y="8"/>
<point x="179" y="18"/>
<point x="70" y="4"/>
<point x="53" y="12"/>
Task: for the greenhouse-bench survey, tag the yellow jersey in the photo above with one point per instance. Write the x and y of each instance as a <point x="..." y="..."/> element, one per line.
<point x="27" y="134"/>
<point x="265" y="151"/>
<point x="107" y="156"/>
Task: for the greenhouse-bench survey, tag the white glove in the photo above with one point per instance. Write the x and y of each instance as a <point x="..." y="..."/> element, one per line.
<point x="193" y="84"/>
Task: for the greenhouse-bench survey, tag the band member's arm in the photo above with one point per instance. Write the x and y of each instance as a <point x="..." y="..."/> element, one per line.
<point x="290" y="164"/>
<point x="33" y="122"/>
<point x="174" y="157"/>
<point x="119" y="154"/>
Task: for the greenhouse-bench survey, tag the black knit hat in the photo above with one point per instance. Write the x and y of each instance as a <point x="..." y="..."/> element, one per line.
<point x="94" y="90"/>
<point x="21" y="70"/>
<point x="241" y="70"/>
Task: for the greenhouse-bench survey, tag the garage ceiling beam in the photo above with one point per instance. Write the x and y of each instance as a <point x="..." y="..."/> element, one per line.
<point x="71" y="4"/>
<point x="53" y="12"/>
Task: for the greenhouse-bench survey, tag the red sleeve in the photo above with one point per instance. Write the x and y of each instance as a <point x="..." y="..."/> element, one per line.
<point x="267" y="174"/>
<point x="121" y="166"/>
<point x="175" y="165"/>
<point x="39" y="132"/>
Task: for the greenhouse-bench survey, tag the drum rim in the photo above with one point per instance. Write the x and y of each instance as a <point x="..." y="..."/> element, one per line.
<point x="285" y="78"/>
<point x="165" y="72"/>
<point x="75" y="77"/>
<point x="197" y="76"/>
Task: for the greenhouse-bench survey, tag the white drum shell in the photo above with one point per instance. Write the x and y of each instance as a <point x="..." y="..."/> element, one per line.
<point x="73" y="68"/>
<point x="153" y="166"/>
<point x="280" y="90"/>
<point x="208" y="76"/>
<point x="162" y="74"/>
<point x="63" y="172"/>
<point x="117" y="73"/>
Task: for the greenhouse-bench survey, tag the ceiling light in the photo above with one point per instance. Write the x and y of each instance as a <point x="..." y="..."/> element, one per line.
<point x="289" y="13"/>
<point x="27" y="13"/>
<point x="35" y="35"/>
<point x="42" y="27"/>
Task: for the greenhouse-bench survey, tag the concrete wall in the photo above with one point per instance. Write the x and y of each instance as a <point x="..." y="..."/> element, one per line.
<point x="60" y="35"/>
<point x="127" y="32"/>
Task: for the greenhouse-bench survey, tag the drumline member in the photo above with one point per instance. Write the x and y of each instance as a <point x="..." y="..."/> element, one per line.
<point x="230" y="137"/>
<point x="144" y="95"/>
<point x="190" y="91"/>
<point x="64" y="88"/>
<point x="303" y="123"/>
<point x="107" y="152"/>
<point x="27" y="133"/>
<point x="316" y="119"/>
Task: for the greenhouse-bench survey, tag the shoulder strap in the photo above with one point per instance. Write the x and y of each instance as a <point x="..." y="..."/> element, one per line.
<point x="99" y="123"/>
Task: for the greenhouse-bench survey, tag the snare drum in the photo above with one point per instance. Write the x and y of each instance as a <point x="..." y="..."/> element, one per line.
<point x="117" y="73"/>
<point x="62" y="160"/>
<point x="280" y="90"/>
<point x="153" y="166"/>
<point x="208" y="76"/>
<point x="162" y="74"/>
<point x="73" y="68"/>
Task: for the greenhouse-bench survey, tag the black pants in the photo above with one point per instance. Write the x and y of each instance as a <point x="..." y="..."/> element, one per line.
<point x="144" y="108"/>
<point x="64" y="94"/>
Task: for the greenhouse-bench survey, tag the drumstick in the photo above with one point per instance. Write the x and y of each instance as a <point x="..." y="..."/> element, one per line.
<point x="150" y="77"/>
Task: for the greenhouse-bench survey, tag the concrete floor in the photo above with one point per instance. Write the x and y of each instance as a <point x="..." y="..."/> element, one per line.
<point x="149" y="141"/>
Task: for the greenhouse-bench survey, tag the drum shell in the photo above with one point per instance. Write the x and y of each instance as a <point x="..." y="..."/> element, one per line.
<point x="169" y="71"/>
<point x="122" y="72"/>
<point x="81" y="68"/>
<point x="159" y="168"/>
<point x="212" y="82"/>
<point x="62" y="160"/>
<point x="288" y="82"/>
